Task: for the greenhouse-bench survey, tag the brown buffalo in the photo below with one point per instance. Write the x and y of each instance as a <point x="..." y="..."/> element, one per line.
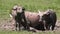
<point x="33" y="20"/>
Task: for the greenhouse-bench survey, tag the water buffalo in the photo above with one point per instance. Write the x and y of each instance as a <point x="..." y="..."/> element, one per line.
<point x="18" y="15"/>
<point x="49" y="18"/>
<point x="33" y="20"/>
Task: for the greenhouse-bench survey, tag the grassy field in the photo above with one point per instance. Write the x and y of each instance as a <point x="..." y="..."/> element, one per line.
<point x="26" y="32"/>
<point x="32" y="5"/>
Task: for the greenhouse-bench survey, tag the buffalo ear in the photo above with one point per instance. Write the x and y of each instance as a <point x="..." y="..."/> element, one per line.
<point x="23" y="8"/>
<point x="48" y="14"/>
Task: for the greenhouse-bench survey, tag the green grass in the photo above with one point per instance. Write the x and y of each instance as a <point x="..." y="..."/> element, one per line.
<point x="26" y="32"/>
<point x="32" y="5"/>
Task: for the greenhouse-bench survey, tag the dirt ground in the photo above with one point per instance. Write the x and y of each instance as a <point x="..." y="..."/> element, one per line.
<point x="7" y="25"/>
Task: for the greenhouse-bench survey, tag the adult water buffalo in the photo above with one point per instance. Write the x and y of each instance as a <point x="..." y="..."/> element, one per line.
<point x="49" y="18"/>
<point x="18" y="15"/>
<point x="33" y="20"/>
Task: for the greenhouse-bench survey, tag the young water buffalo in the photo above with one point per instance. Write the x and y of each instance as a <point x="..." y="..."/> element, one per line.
<point x="18" y="15"/>
<point x="49" y="18"/>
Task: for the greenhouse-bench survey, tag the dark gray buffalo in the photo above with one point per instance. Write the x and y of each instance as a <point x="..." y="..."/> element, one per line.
<point x="49" y="18"/>
<point x="18" y="15"/>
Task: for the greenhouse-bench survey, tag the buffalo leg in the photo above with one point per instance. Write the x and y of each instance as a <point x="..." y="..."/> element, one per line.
<point x="19" y="26"/>
<point x="53" y="26"/>
<point x="16" y="26"/>
<point x="25" y="24"/>
<point x="47" y="27"/>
